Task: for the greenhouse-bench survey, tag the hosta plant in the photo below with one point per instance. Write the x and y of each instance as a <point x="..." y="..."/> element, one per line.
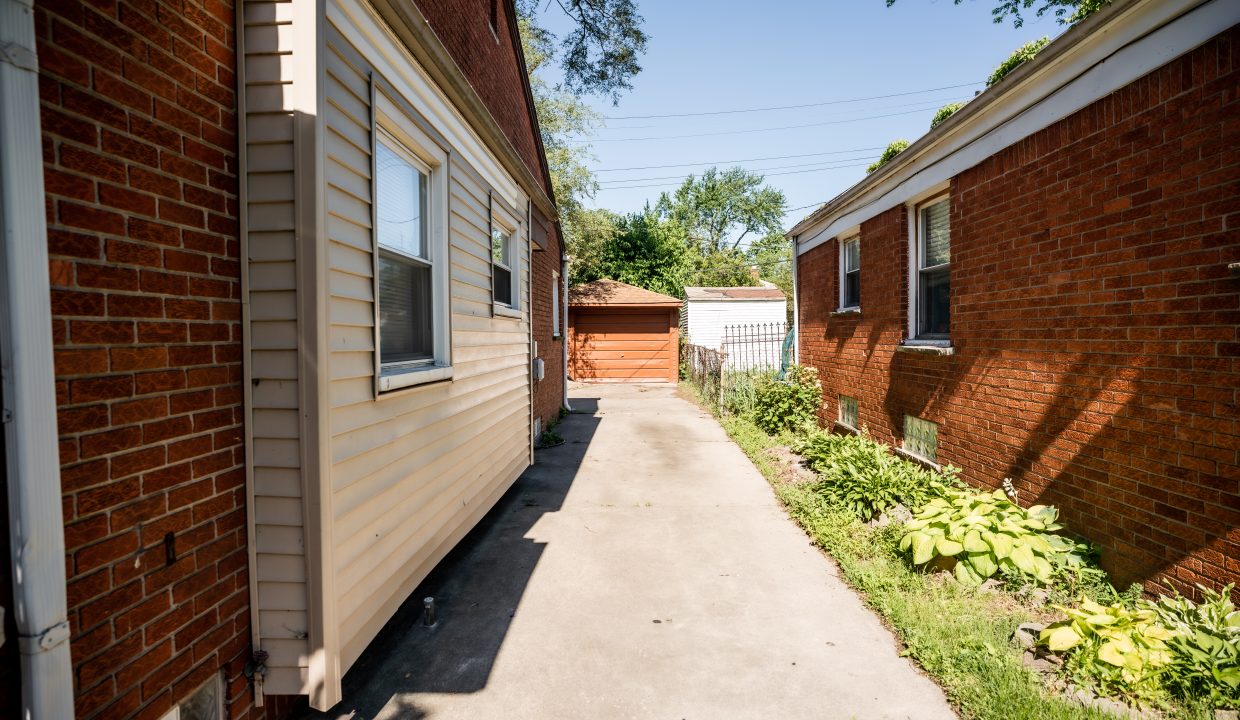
<point x="864" y="476"/>
<point x="1206" y="646"/>
<point x="1116" y="649"/>
<point x="985" y="533"/>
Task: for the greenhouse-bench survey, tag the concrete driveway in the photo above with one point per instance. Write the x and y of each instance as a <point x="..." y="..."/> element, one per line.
<point x="641" y="570"/>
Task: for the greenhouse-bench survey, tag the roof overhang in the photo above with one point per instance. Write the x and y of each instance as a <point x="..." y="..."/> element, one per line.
<point x="411" y="26"/>
<point x="1102" y="54"/>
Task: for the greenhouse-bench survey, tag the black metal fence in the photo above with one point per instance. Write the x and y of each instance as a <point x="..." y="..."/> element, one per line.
<point x="703" y="367"/>
<point x="755" y="347"/>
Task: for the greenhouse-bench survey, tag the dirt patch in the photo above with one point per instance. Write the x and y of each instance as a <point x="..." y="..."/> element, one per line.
<point x="791" y="467"/>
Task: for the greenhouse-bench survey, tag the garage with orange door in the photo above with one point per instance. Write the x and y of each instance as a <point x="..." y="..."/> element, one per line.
<point x="621" y="333"/>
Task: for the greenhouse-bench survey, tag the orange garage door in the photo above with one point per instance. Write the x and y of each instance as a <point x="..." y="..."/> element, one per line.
<point x="623" y="345"/>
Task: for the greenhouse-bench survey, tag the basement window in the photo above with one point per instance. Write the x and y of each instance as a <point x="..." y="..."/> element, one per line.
<point x="848" y="411"/>
<point x="205" y="703"/>
<point x="921" y="438"/>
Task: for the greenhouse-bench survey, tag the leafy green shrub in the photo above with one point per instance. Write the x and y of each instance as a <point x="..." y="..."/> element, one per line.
<point x="864" y="476"/>
<point x="1206" y="646"/>
<point x="789" y="404"/>
<point x="986" y="533"/>
<point x="1025" y="52"/>
<point x="1116" y="649"/>
<point x="943" y="113"/>
<point x="895" y="148"/>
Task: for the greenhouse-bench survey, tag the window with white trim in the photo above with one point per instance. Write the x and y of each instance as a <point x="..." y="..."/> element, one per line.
<point x="850" y="273"/>
<point x="931" y="294"/>
<point x="205" y="703"/>
<point x="848" y="411"/>
<point x="503" y="265"/>
<point x="555" y="304"/>
<point x="410" y="253"/>
<point x="921" y="438"/>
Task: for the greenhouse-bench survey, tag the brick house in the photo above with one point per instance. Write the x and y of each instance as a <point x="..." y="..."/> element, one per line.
<point x="1039" y="289"/>
<point x="192" y="236"/>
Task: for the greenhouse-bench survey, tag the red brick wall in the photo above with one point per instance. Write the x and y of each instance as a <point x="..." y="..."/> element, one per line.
<point x="139" y="142"/>
<point x="489" y="60"/>
<point x="1094" y="320"/>
<point x="549" y="392"/>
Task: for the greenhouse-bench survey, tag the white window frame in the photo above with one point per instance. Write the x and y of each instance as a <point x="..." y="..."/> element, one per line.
<point x="843" y="303"/>
<point x="915" y="337"/>
<point x="503" y="220"/>
<point x="555" y="304"/>
<point x="395" y="126"/>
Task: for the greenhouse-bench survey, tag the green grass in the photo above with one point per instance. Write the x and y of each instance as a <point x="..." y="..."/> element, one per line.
<point x="959" y="635"/>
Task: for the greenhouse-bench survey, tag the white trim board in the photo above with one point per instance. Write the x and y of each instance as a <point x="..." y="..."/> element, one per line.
<point x="1134" y="41"/>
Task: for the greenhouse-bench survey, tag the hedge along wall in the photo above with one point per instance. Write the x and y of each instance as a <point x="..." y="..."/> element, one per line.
<point x="1095" y="323"/>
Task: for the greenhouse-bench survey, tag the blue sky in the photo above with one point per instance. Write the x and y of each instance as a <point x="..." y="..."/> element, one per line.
<point x="709" y="56"/>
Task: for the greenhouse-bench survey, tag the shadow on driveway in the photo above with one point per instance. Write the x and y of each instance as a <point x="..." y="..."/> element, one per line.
<point x="477" y="589"/>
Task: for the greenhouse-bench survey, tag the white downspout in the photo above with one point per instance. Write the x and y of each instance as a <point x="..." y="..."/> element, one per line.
<point x="36" y="525"/>
<point x="796" y="301"/>
<point x="563" y="322"/>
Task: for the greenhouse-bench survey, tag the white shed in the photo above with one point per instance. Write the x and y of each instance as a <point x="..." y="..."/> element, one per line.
<point x="708" y="310"/>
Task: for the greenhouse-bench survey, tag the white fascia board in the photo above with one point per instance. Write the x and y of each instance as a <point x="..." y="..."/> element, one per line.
<point x="1135" y="41"/>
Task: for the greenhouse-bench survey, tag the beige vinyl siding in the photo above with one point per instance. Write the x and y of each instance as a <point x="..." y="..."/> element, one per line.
<point x="276" y="505"/>
<point x="408" y="472"/>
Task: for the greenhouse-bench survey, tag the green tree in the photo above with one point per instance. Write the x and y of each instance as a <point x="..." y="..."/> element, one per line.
<point x="714" y="206"/>
<point x="772" y="255"/>
<point x="1019" y="56"/>
<point x="649" y="252"/>
<point x="726" y="267"/>
<point x="1068" y="12"/>
<point x="599" y="56"/>
<point x="589" y="234"/>
<point x="895" y="148"/>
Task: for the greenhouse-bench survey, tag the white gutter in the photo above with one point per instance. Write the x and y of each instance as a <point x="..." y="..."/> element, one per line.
<point x="796" y="305"/>
<point x="36" y="524"/>
<point x="562" y="321"/>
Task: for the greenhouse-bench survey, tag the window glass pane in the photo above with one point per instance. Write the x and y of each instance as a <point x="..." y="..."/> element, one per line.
<point x="848" y="411"/>
<point x="405" y="311"/>
<point x="204" y="704"/>
<point x="852" y="255"/>
<point x="400" y="203"/>
<point x="500" y="248"/>
<point x="936" y="234"/>
<point x="852" y="288"/>
<point x="921" y="437"/>
<point x="933" y="307"/>
<point x="503" y="285"/>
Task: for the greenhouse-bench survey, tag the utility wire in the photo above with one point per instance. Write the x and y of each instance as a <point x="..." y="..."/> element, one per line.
<point x="753" y="170"/>
<point x="931" y="102"/>
<point x="790" y="172"/>
<point x="787" y="107"/>
<point x="725" y="162"/>
<point x="751" y="130"/>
